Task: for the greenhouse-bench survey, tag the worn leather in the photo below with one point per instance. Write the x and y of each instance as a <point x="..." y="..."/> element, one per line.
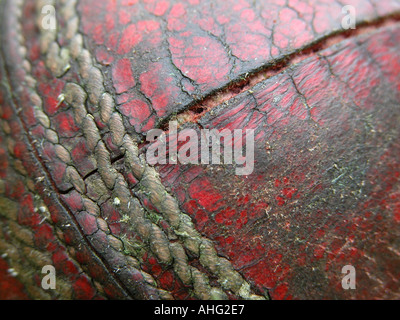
<point x="77" y="192"/>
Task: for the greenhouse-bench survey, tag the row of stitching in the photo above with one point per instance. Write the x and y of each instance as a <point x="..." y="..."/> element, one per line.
<point x="57" y="61"/>
<point x="169" y="253"/>
<point x="43" y="119"/>
<point x="20" y="249"/>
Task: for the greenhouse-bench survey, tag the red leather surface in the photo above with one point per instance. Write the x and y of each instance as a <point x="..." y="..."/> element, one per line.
<point x="324" y="193"/>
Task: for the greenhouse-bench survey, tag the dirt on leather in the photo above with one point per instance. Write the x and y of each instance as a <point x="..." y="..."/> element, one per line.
<point x="77" y="191"/>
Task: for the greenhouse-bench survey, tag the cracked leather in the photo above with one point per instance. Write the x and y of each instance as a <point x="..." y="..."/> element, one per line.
<point x="76" y="191"/>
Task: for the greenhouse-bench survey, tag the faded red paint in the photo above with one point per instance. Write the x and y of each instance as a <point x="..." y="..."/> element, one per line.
<point x="274" y="237"/>
<point x="163" y="55"/>
<point x="208" y="45"/>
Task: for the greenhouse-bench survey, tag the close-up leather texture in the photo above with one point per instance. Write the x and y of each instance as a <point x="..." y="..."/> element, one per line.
<point x="313" y="86"/>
